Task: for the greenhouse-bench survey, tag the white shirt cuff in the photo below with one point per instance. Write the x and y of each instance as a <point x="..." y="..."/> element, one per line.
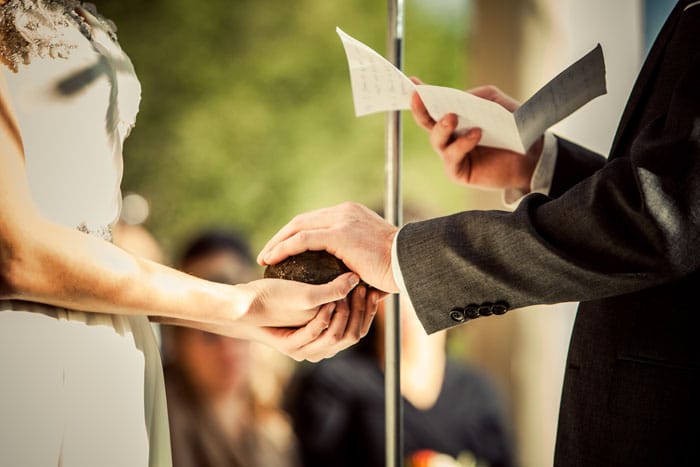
<point x="396" y="268"/>
<point x="541" y="181"/>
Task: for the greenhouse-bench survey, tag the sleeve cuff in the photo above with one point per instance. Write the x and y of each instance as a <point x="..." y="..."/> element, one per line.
<point x="396" y="268"/>
<point x="541" y="181"/>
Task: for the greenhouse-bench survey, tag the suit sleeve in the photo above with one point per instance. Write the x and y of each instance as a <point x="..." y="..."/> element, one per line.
<point x="605" y="230"/>
<point x="574" y="164"/>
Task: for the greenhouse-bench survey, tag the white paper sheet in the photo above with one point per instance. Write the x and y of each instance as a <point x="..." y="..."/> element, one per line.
<point x="378" y="86"/>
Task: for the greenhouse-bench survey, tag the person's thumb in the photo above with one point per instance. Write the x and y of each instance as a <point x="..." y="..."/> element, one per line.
<point x="337" y="289"/>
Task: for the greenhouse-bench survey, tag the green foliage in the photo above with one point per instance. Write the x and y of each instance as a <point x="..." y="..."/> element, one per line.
<point x="247" y="118"/>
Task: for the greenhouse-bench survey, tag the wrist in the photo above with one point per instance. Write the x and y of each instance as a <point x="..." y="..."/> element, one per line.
<point x="241" y="300"/>
<point x="389" y="281"/>
<point x="221" y="304"/>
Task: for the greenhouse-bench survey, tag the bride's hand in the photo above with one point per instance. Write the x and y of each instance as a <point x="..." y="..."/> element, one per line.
<point x="285" y="303"/>
<point x="335" y="327"/>
<point x="301" y="320"/>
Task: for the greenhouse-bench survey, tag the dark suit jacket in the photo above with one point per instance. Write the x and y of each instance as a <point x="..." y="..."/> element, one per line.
<point x="620" y="236"/>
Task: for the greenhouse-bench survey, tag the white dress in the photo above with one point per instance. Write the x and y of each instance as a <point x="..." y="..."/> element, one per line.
<point x="76" y="388"/>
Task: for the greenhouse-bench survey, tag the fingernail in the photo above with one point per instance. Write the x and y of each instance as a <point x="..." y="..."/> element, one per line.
<point x="354" y="280"/>
<point x="472" y="134"/>
<point x="445" y="121"/>
<point x="362" y="291"/>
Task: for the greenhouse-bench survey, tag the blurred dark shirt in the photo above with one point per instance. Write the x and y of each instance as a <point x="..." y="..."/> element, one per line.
<point x="337" y="410"/>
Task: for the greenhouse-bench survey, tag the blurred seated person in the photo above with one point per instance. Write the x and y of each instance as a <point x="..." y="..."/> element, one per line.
<point x="216" y="419"/>
<point x="453" y="415"/>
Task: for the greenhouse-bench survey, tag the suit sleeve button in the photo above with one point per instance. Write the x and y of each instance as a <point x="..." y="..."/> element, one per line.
<point x="457" y="315"/>
<point x="499" y="308"/>
<point x="485" y="309"/>
<point x="471" y="311"/>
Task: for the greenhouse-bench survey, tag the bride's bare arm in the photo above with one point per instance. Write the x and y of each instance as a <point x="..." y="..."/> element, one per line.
<point x="45" y="262"/>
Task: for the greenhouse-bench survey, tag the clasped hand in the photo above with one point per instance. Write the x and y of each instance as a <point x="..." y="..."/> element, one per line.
<point x="308" y="322"/>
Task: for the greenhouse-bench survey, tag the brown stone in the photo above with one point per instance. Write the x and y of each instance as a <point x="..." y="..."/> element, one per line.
<point x="312" y="267"/>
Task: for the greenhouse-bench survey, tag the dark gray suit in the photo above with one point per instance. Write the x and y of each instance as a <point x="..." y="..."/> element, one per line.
<point x="620" y="236"/>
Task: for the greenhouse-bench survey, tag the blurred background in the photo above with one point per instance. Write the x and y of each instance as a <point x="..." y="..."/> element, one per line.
<point x="247" y="119"/>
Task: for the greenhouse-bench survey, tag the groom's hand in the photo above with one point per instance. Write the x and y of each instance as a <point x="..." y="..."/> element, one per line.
<point x="351" y="232"/>
<point x="467" y="162"/>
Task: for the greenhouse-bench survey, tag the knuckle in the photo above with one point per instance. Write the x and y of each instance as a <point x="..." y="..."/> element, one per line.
<point x="302" y="236"/>
<point x="315" y="332"/>
<point x="297" y="219"/>
<point x="491" y="90"/>
<point x="351" y="337"/>
<point x="319" y="329"/>
<point x="336" y="338"/>
<point x="354" y="335"/>
<point x="350" y="207"/>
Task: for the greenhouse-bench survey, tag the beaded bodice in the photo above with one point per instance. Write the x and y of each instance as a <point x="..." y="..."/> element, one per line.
<point x="28" y="28"/>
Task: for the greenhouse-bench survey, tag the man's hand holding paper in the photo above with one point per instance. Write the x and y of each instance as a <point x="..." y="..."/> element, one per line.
<point x="377" y="85"/>
<point x="466" y="159"/>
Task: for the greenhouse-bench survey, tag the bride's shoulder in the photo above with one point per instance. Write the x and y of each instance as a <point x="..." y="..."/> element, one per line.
<point x="45" y="28"/>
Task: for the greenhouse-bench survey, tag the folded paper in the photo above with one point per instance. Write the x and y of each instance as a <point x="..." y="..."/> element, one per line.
<point x="378" y="86"/>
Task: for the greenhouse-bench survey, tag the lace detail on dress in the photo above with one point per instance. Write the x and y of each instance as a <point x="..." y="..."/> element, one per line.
<point x="37" y="28"/>
<point x="104" y="232"/>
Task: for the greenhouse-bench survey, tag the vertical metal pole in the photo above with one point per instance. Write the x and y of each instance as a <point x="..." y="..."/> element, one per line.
<point x="393" y="210"/>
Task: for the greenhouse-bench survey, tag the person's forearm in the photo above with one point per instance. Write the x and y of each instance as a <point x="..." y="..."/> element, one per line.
<point x="238" y="332"/>
<point x="59" y="266"/>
